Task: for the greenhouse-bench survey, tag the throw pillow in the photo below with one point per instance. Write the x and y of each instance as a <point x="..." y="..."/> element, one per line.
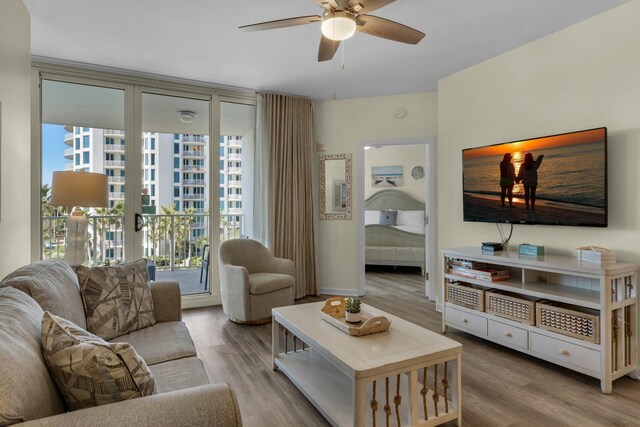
<point x="88" y="370"/>
<point x="117" y="300"/>
<point x="388" y="217"/>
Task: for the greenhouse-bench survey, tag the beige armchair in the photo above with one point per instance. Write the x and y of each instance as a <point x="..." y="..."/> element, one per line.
<point x="253" y="281"/>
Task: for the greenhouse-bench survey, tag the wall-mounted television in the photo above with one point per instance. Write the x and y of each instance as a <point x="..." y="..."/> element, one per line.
<point x="551" y="180"/>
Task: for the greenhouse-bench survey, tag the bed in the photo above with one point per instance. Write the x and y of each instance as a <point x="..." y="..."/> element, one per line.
<point x="394" y="239"/>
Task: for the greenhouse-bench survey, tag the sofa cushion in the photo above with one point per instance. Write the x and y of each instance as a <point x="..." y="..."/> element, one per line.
<point x="27" y="391"/>
<point x="117" y="300"/>
<point x="262" y="283"/>
<point x="179" y="374"/>
<point x="151" y="343"/>
<point x="53" y="285"/>
<point x="88" y="370"/>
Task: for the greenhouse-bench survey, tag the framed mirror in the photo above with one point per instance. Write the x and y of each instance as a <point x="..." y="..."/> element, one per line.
<point x="335" y="186"/>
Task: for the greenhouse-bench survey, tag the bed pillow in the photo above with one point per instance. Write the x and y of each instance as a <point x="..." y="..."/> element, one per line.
<point x="88" y="370"/>
<point x="413" y="218"/>
<point x="371" y="217"/>
<point x="117" y="300"/>
<point x="388" y="217"/>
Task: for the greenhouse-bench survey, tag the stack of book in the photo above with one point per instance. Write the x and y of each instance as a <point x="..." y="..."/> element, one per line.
<point x="477" y="270"/>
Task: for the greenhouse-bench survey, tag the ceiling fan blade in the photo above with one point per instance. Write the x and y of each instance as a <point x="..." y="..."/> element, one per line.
<point x="366" y="6"/>
<point x="327" y="49"/>
<point x="380" y="27"/>
<point x="327" y="4"/>
<point x="281" y="23"/>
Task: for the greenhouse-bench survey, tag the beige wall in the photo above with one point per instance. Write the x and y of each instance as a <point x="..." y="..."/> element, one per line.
<point x="15" y="140"/>
<point x="585" y="76"/>
<point x="406" y="156"/>
<point x="341" y="126"/>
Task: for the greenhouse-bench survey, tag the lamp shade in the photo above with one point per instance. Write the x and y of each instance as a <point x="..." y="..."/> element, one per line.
<point x="85" y="189"/>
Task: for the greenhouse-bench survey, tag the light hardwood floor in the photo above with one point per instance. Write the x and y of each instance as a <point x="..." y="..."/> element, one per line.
<point x="500" y="387"/>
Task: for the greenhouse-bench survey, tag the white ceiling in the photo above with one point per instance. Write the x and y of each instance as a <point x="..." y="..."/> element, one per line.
<point x="200" y="40"/>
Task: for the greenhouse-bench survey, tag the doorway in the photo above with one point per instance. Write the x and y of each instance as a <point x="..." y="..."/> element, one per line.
<point x="396" y="210"/>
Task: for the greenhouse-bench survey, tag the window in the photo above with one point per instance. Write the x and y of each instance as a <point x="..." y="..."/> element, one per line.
<point x="177" y="205"/>
<point x="85" y="141"/>
<point x="221" y="151"/>
<point x="176" y="148"/>
<point x="109" y="141"/>
<point x="85" y="157"/>
<point x="176" y="191"/>
<point x="176" y="136"/>
<point x="109" y="156"/>
<point x="153" y="143"/>
<point x="146" y="143"/>
<point x="221" y="178"/>
<point x="110" y="235"/>
<point x="176" y="162"/>
<point x="109" y="172"/>
<point x="221" y="191"/>
<point x="153" y="174"/>
<point x="153" y="159"/>
<point x="77" y="158"/>
<point x="146" y="159"/>
<point x="109" y="253"/>
<point x="76" y="130"/>
<point x="221" y="205"/>
<point x="153" y="190"/>
<point x="112" y="188"/>
<point x="77" y="143"/>
<point x="176" y="177"/>
<point x="85" y="129"/>
<point x="146" y="174"/>
<point x="221" y="165"/>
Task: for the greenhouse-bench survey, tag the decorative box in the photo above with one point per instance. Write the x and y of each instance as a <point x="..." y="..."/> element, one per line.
<point x="528" y="249"/>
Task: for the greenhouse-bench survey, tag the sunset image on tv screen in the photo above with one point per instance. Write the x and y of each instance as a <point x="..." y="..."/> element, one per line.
<point x="558" y="180"/>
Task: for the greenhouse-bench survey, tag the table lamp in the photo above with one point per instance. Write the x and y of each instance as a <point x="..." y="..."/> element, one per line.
<point x="78" y="190"/>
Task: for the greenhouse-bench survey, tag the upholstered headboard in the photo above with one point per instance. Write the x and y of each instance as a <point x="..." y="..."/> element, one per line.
<point x="393" y="199"/>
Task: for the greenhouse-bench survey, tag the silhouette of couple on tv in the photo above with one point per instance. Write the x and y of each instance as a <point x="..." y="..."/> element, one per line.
<point x="528" y="174"/>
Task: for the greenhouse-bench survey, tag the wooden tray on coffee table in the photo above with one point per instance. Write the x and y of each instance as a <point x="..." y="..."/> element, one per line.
<point x="333" y="312"/>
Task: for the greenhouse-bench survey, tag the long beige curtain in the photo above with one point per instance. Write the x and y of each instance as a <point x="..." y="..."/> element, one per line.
<point x="292" y="207"/>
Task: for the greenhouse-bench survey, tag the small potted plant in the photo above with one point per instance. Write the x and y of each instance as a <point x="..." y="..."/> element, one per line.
<point x="352" y="310"/>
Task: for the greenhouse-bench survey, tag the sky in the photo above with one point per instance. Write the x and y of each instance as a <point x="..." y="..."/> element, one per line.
<point x="52" y="151"/>
<point x="591" y="135"/>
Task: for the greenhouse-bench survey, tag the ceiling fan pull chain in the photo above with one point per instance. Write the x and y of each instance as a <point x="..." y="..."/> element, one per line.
<point x="343" y="43"/>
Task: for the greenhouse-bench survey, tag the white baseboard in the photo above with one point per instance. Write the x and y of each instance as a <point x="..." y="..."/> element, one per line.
<point x="203" y="300"/>
<point x="338" y="291"/>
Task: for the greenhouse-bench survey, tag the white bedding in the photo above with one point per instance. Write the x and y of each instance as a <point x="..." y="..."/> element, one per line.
<point x="417" y="229"/>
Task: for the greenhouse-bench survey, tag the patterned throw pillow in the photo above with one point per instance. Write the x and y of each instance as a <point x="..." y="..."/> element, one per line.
<point x="117" y="300"/>
<point x="88" y="370"/>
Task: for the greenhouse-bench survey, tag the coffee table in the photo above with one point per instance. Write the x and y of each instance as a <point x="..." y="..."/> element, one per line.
<point x="352" y="380"/>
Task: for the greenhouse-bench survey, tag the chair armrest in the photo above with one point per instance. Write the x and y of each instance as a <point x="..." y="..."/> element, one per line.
<point x="282" y="266"/>
<point x="209" y="405"/>
<point x="167" y="301"/>
<point x="234" y="279"/>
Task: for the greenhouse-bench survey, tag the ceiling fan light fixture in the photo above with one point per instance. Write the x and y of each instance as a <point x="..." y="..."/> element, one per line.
<point x="338" y="25"/>
<point x="186" y="116"/>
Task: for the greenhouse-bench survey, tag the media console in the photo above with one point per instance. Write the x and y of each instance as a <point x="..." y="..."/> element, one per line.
<point x="576" y="314"/>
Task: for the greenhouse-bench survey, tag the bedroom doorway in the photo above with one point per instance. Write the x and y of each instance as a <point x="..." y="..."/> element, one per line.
<point x="396" y="208"/>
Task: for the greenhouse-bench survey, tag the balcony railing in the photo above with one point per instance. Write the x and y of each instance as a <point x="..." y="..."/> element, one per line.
<point x="199" y="154"/>
<point x="193" y="196"/>
<point x="193" y="182"/>
<point x="113" y="132"/>
<point x="117" y="148"/>
<point x="194" y="168"/>
<point x="116" y="180"/>
<point x="68" y="166"/>
<point x="172" y="242"/>
<point x="114" y="163"/>
<point x="68" y="153"/>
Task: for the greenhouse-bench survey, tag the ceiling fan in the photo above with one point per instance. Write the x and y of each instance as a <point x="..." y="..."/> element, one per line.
<point x="341" y="19"/>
